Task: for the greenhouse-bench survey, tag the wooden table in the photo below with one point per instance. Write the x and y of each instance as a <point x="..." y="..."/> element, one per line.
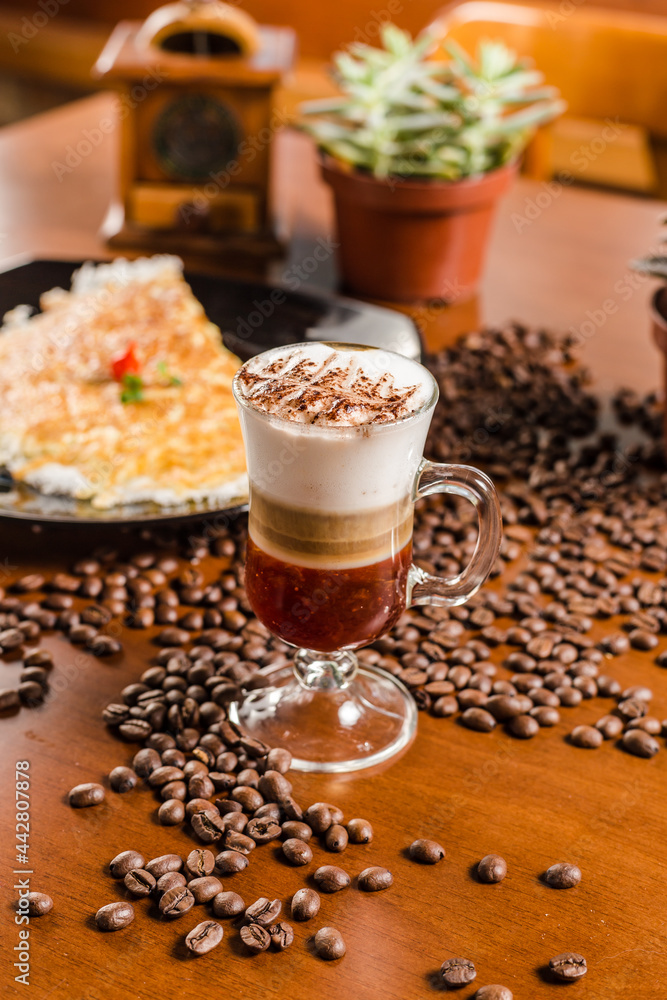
<point x="535" y="803"/>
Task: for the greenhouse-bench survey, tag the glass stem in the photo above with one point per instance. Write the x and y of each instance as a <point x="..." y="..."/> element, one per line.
<point x="325" y="671"/>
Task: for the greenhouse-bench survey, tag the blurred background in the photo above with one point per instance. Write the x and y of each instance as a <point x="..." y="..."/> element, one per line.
<point x="609" y="61"/>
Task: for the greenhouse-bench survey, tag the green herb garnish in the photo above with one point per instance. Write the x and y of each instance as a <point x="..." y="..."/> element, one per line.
<point x="133" y="389"/>
<point x="166" y="375"/>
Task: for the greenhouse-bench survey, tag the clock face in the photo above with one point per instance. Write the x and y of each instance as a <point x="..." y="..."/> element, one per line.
<point x="195" y="136"/>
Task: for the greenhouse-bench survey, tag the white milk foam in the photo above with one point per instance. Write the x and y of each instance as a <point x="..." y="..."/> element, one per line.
<point x="328" y="464"/>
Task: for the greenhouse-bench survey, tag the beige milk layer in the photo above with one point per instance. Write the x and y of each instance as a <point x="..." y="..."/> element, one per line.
<point x="325" y="539"/>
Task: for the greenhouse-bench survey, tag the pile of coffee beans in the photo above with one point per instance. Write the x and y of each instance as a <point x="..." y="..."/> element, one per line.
<point x="233" y="793"/>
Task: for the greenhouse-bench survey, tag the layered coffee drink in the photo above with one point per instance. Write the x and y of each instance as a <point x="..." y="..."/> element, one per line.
<point x="334" y="437"/>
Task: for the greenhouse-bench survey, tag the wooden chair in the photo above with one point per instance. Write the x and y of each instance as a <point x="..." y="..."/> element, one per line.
<point x="611" y="68"/>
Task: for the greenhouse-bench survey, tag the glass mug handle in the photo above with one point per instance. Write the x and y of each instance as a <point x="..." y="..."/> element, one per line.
<point x="472" y="485"/>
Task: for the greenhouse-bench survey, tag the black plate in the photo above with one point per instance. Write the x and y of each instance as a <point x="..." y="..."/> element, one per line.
<point x="253" y="317"/>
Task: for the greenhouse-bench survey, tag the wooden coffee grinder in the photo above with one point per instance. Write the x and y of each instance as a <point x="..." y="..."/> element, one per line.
<point x="196" y="84"/>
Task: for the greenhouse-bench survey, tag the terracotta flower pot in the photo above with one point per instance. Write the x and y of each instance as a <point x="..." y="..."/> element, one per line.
<point x="659" y="318"/>
<point x="412" y="240"/>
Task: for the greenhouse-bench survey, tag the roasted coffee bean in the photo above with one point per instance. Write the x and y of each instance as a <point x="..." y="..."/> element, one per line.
<point x="104" y="645"/>
<point x="262" y="830"/>
<point x="39" y="904"/>
<point x="263" y="911"/>
<point x="503" y="707"/>
<point x="90" y="793"/>
<point x="9" y="699"/>
<point x="478" y="719"/>
<point x="171" y="812"/>
<point x="457" y="971"/>
<point x="122" y="779"/>
<point x="29" y="582"/>
<point x="57" y="602"/>
<point x="274" y="786"/>
<point x="82" y="634"/>
<point x="37" y="674"/>
<point x="163" y="864"/>
<point x="639" y="743"/>
<point x="249" y="798"/>
<point x="562" y="876"/>
<point x="169" y="881"/>
<point x="235" y="841"/>
<point x="279" y="759"/>
<point x="569" y="696"/>
<point x="648" y="723"/>
<point x="200" y="786"/>
<point x="270" y="810"/>
<point x="494" y="992"/>
<point x="293" y="829"/>
<point x="374" y="879"/>
<point x="336" y="838"/>
<point x="329" y="944"/>
<point x="523" y="727"/>
<point x="588" y="737"/>
<point x="318" y="817"/>
<point x="492" y="868"/>
<point x="175" y="902"/>
<point x="255" y="938"/>
<point x="125" y="862"/>
<point x="359" y="831"/>
<point x="305" y="904"/>
<point x="568" y="966"/>
<point x="291" y="809"/>
<point x="227" y="904"/>
<point x="229" y="862"/>
<point x="114" y="916"/>
<point x="10" y="638"/>
<point x="632" y="708"/>
<point x="208" y="826"/>
<point x="38" y="658"/>
<point x="282" y="935"/>
<point x="205" y="936"/>
<point x="139" y="882"/>
<point x="545" y="715"/>
<point x="329" y="878"/>
<point x="172" y="637"/>
<point x="205" y="888"/>
<point x="610" y="726"/>
<point x="642" y="639"/>
<point x="199" y="863"/>
<point x="31" y="693"/>
<point x="141" y="617"/>
<point x="426" y="852"/>
<point x="164" y="774"/>
<point x="297" y="852"/>
<point x="92" y="587"/>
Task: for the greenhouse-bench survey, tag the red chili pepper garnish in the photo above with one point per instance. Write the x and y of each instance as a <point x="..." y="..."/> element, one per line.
<point x="128" y="364"/>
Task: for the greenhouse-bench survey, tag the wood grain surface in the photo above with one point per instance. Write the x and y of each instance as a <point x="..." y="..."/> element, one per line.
<point x="534" y="802"/>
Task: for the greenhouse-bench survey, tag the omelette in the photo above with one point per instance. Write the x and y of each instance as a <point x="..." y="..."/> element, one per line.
<point x="120" y="390"/>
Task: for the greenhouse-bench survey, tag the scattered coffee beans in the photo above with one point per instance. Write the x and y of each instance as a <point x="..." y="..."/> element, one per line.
<point x="329" y="944"/>
<point x="205" y="936"/>
<point x="88" y="794"/>
<point x="305" y="904"/>
<point x="562" y="876"/>
<point x="457" y="971"/>
<point x="568" y="966"/>
<point x="374" y="879"/>
<point x="492" y="868"/>
<point x="331" y="879"/>
<point x="114" y="916"/>
<point x="426" y="852"/>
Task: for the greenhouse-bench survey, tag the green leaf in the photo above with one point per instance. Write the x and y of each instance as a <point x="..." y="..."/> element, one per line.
<point x="133" y="389"/>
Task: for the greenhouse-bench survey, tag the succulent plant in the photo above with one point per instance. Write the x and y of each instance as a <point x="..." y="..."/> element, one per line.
<point x="656" y="265"/>
<point x="404" y="113"/>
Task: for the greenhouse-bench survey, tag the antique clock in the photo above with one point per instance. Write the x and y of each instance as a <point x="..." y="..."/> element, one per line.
<point x="197" y="81"/>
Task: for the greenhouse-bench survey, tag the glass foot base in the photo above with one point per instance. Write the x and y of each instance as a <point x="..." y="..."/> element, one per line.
<point x="329" y="727"/>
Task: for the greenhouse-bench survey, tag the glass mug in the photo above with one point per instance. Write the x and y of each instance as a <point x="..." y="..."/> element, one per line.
<point x="329" y="563"/>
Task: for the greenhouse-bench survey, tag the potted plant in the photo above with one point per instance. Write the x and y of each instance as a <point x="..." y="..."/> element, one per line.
<point x="418" y="150"/>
